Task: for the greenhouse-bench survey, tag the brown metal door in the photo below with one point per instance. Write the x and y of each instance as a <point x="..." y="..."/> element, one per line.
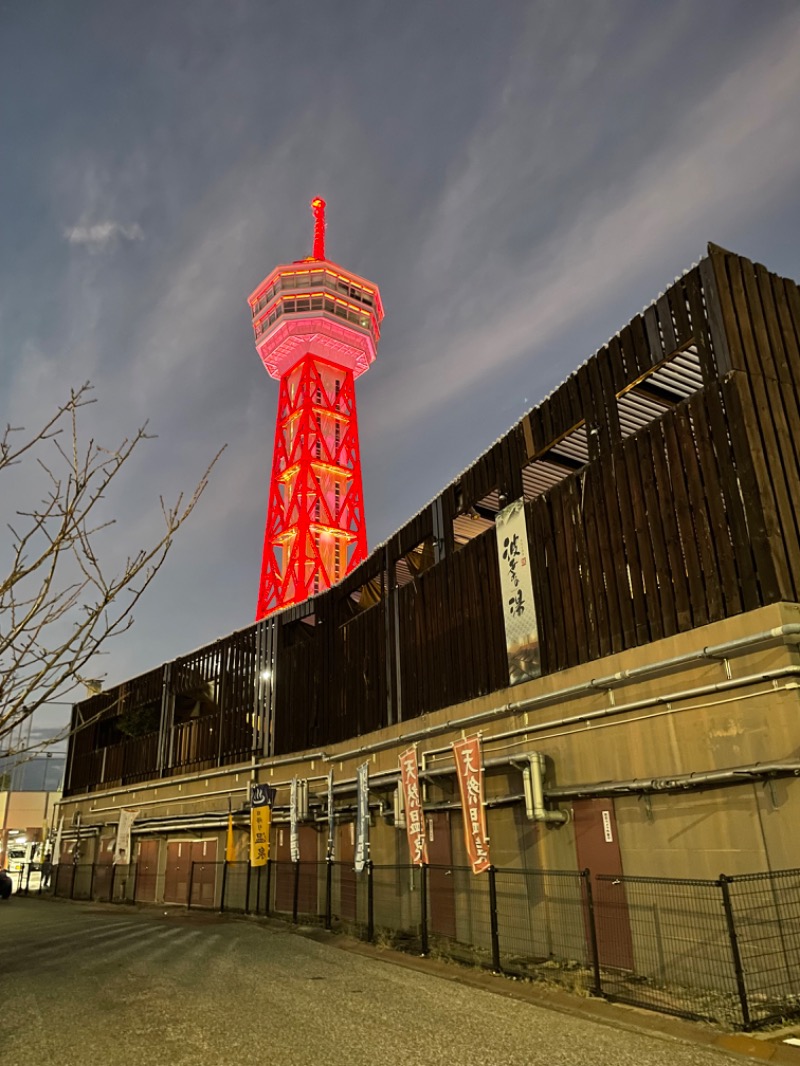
<point x="597" y="845"/>
<point x="203" y="856"/>
<point x="345" y="854"/>
<point x="285" y="873"/>
<point x="147" y="871"/>
<point x="176" y="878"/>
<point x="103" y="870"/>
<point x="441" y="890"/>
<point x="307" y="892"/>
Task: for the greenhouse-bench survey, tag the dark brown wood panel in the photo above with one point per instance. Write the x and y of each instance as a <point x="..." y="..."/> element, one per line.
<point x="692" y="518"/>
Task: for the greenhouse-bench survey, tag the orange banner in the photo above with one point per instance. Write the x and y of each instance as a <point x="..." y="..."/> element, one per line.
<point x="415" y="819"/>
<point x="470" y="782"/>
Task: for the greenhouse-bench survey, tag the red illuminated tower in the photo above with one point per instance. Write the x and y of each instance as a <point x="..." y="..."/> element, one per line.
<point x="317" y="328"/>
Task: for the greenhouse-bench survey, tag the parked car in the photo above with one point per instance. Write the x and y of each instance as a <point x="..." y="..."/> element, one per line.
<point x="6" y="884"/>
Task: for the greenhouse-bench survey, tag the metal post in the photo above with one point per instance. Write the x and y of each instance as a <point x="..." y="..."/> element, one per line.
<point x="247" y="890"/>
<point x="493" y="919"/>
<point x="135" y="879"/>
<point x="296" y="895"/>
<point x="224" y="883"/>
<point x="423" y="904"/>
<point x="91" y="883"/>
<point x="258" y="890"/>
<point x="111" y="887"/>
<point x="72" y="882"/>
<point x="329" y="893"/>
<point x="190" y="886"/>
<point x="269" y="886"/>
<point x="370" y="903"/>
<point x="597" y="988"/>
<point x="737" y="958"/>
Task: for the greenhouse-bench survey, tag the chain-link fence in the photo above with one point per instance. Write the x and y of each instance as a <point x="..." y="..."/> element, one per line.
<point x="727" y="950"/>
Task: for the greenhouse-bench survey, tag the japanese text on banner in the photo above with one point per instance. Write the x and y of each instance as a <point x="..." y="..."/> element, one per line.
<point x="261" y="800"/>
<point x="415" y="818"/>
<point x="362" y="819"/>
<point x="470" y="782"/>
<point x="331" y="818"/>
<point x="516" y="589"/>
<point x="122" y="845"/>
<point x="294" y="832"/>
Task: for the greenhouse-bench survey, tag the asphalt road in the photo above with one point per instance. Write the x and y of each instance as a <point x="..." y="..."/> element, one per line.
<point x="87" y="984"/>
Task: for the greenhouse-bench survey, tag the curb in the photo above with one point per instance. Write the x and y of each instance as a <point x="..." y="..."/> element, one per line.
<point x="602" y="1011"/>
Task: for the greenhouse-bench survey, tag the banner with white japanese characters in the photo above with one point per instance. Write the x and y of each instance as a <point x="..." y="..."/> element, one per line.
<point x="331" y="818"/>
<point x="412" y="801"/>
<point x="469" y="769"/>
<point x="294" y="832"/>
<point x="122" y="845"/>
<point x="362" y="819"/>
<point x="516" y="587"/>
<point x="261" y="799"/>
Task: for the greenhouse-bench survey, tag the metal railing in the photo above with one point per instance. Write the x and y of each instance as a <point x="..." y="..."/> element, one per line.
<point x="726" y="950"/>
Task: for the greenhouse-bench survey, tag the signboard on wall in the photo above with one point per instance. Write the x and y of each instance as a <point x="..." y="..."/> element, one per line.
<point x="261" y="800"/>
<point x="412" y="801"/>
<point x="516" y="587"/>
<point x="331" y="818"/>
<point x="469" y="768"/>
<point x="122" y="845"/>
<point x="294" y="832"/>
<point x="362" y="819"/>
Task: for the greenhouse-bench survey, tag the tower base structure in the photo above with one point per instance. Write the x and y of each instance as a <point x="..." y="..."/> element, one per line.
<point x="315" y="530"/>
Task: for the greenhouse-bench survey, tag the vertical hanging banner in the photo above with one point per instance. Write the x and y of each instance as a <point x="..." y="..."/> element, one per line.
<point x="122" y="845"/>
<point x="57" y="844"/>
<point x="469" y="768"/>
<point x="362" y="819"/>
<point x="261" y="799"/>
<point x="516" y="587"/>
<point x="331" y="818"/>
<point x="294" y="832"/>
<point x="230" y="845"/>
<point x="412" y="801"/>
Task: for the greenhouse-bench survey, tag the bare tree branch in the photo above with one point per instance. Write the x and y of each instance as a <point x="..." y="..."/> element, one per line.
<point x="60" y="603"/>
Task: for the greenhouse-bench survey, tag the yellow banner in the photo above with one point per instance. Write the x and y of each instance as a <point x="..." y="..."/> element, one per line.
<point x="230" y="846"/>
<point x="260" y="818"/>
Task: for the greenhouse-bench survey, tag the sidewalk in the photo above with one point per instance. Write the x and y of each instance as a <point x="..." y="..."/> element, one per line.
<point x="763" y="1046"/>
<point x="766" y="1046"/>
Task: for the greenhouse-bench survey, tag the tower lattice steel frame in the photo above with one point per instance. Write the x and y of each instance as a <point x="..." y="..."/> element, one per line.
<point x="317" y="328"/>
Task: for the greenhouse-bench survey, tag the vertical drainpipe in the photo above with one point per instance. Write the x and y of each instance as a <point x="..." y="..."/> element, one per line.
<point x="387" y="600"/>
<point x="533" y="782"/>
<point x="271" y="639"/>
<point x="258" y="695"/>
<point x="165" y="721"/>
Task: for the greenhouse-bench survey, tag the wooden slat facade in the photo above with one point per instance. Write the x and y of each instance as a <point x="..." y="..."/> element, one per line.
<point x="690" y="518"/>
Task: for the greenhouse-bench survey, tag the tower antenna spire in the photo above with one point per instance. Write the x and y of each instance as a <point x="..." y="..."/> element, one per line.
<point x="318" y="209"/>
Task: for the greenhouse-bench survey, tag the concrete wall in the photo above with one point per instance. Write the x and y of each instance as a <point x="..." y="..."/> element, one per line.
<point x="688" y="833"/>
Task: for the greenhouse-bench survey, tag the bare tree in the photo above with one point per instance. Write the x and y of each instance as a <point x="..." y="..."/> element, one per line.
<point x="59" y="603"/>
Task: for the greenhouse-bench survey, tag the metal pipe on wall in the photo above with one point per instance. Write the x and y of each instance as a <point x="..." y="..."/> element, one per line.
<point x="718" y="651"/>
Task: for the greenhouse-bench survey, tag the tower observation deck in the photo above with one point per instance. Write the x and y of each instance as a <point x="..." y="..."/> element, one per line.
<point x="316" y="328"/>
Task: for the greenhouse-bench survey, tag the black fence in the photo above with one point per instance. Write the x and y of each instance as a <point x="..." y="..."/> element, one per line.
<point x="725" y="950"/>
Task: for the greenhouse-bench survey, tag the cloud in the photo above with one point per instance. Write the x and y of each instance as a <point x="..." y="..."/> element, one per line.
<point x="709" y="170"/>
<point x="102" y="234"/>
